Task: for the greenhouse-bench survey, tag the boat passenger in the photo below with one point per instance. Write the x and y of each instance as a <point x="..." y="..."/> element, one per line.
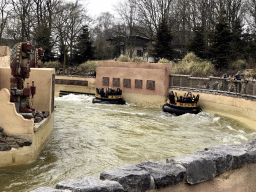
<point x="102" y="93"/>
<point x="119" y="91"/>
<point x="171" y="97"/>
<point x="109" y="91"/>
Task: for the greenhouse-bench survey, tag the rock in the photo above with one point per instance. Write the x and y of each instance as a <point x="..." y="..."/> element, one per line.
<point x="16" y="146"/>
<point x="199" y="169"/>
<point x="131" y="177"/>
<point x="90" y="184"/>
<point x="1" y="129"/>
<point x="164" y="174"/>
<point x="23" y="142"/>
<point x="9" y="139"/>
<point x="46" y="114"/>
<point x="222" y="162"/>
<point x="238" y="154"/>
<point x="3" y="134"/>
<point x="252" y="155"/>
<point x="251" y="150"/>
<point x="4" y="147"/>
<point x="39" y="114"/>
<point x="38" y="119"/>
<point x="49" y="189"/>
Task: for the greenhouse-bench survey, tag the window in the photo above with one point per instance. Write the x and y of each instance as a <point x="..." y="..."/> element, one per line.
<point x="150" y="84"/>
<point x="139" y="53"/>
<point x="116" y="82"/>
<point x="105" y="81"/>
<point x="127" y="83"/>
<point x="138" y="84"/>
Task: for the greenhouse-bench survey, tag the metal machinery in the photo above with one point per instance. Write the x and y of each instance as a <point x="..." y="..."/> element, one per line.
<point x="23" y="57"/>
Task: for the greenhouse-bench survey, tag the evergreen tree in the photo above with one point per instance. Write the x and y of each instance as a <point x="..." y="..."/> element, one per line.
<point x="42" y="38"/>
<point x="83" y="49"/>
<point x="238" y="42"/>
<point x="250" y="49"/>
<point x="162" y="46"/>
<point x="197" y="44"/>
<point x="220" y="40"/>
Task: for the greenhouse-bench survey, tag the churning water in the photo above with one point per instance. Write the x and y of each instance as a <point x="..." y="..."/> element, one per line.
<point x="91" y="138"/>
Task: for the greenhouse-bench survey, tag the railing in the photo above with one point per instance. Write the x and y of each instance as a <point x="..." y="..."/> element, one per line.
<point x="245" y="88"/>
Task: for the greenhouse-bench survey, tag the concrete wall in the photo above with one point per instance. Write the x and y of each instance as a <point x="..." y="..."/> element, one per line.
<point x="12" y="122"/>
<point x="71" y="84"/>
<point x="157" y="72"/>
<point x="237" y="108"/>
<point x="4" y="56"/>
<point x="43" y="78"/>
<point x="27" y="154"/>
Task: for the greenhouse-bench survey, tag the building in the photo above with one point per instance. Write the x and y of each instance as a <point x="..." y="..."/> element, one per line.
<point x="132" y="46"/>
<point x="144" y="84"/>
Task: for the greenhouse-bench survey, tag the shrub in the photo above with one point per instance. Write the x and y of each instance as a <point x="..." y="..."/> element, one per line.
<point x="163" y="60"/>
<point x="88" y="66"/>
<point x="52" y="64"/>
<point x="138" y="60"/>
<point x="192" y="65"/>
<point x="122" y="58"/>
<point x="239" y="64"/>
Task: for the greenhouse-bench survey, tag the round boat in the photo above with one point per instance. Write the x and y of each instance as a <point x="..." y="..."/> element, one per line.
<point x="180" y="110"/>
<point x="110" y="97"/>
<point x="182" y="105"/>
<point x="105" y="100"/>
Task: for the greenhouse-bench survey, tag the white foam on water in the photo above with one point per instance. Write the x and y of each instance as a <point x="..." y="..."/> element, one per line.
<point x="241" y="131"/>
<point x="75" y="98"/>
<point x="241" y="137"/>
<point x="226" y="140"/>
<point x="216" y="119"/>
<point x="231" y="128"/>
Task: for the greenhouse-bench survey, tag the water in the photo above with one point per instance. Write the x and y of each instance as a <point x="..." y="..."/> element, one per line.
<point x="91" y="138"/>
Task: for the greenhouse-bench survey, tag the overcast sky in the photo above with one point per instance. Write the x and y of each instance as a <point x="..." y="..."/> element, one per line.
<point x="95" y="7"/>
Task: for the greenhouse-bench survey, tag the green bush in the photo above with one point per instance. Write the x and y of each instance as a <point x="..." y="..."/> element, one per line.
<point x="122" y="58"/>
<point x="192" y="65"/>
<point x="88" y="66"/>
<point x="239" y="64"/>
<point x="163" y="60"/>
<point x="137" y="60"/>
<point x="52" y="64"/>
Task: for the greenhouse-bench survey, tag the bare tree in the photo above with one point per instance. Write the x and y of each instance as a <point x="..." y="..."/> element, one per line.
<point x="22" y="9"/>
<point x="4" y="16"/>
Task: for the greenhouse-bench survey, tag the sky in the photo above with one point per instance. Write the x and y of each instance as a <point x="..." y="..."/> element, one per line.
<point x="95" y="7"/>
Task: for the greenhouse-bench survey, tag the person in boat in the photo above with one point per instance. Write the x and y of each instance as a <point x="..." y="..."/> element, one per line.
<point x="102" y="93"/>
<point x="119" y="91"/>
<point x="171" y="97"/>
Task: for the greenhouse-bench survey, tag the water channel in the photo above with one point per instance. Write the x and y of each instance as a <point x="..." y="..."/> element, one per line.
<point x="91" y="138"/>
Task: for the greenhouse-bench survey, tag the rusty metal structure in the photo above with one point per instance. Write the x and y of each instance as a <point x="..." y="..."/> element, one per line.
<point x="24" y="56"/>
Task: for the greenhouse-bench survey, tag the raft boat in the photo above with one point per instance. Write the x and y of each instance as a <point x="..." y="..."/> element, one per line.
<point x="110" y="97"/>
<point x="182" y="105"/>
